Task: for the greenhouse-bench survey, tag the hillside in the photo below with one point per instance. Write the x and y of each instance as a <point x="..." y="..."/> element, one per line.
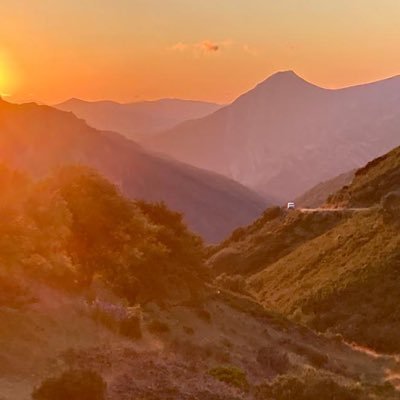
<point x="272" y="236"/>
<point x="287" y="135"/>
<point x="39" y="138"/>
<point x="318" y="195"/>
<point x="122" y="297"/>
<point x="345" y="280"/>
<point x="378" y="178"/>
<point x="332" y="270"/>
<point x="136" y="120"/>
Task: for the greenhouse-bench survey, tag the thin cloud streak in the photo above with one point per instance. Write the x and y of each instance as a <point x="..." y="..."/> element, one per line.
<point x="208" y="47"/>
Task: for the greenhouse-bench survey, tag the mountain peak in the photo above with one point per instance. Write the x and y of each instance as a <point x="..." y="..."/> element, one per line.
<point x="283" y="84"/>
<point x="285" y="78"/>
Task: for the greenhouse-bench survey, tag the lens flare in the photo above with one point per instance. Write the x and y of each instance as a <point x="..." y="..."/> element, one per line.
<point x="7" y="77"/>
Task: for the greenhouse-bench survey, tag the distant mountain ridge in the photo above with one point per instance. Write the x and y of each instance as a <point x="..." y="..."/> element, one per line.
<point x="286" y="135"/>
<point x="138" y="119"/>
<point x="37" y="139"/>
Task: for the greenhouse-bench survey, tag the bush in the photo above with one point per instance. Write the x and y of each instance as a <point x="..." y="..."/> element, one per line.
<point x="273" y="358"/>
<point x="308" y="388"/>
<point x="316" y="358"/>
<point x="158" y="327"/>
<point x="72" y="385"/>
<point x="231" y="375"/>
<point x="130" y="327"/>
<point x="203" y="314"/>
<point x="13" y="294"/>
<point x="188" y="330"/>
<point x="234" y="283"/>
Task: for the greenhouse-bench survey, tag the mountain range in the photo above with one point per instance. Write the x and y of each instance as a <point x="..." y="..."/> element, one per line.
<point x="38" y="139"/>
<point x="287" y="135"/>
<point x="106" y="298"/>
<point x="139" y="119"/>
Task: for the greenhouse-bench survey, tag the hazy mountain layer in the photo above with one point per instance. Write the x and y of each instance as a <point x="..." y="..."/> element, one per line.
<point x="40" y="138"/>
<point x="286" y="135"/>
<point x="137" y="120"/>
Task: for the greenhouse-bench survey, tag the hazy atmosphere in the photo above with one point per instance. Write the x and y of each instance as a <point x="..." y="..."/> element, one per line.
<point x="210" y="50"/>
<point x="200" y="200"/>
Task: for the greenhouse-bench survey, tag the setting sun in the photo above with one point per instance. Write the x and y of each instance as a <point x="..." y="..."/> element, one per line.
<point x="7" y="80"/>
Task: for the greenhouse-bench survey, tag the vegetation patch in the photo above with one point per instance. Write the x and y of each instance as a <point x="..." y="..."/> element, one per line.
<point x="231" y="375"/>
<point x="158" y="327"/>
<point x="72" y="385"/>
<point x="311" y="387"/>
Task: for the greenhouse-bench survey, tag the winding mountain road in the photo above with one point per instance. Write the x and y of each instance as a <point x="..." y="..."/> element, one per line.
<point x="314" y="210"/>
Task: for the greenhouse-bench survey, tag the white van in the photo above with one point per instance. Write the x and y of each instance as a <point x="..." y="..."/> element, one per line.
<point x="291" y="206"/>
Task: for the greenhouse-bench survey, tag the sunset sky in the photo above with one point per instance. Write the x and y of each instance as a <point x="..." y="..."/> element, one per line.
<point x="129" y="50"/>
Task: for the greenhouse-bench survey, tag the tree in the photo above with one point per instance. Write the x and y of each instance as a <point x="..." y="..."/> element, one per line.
<point x="72" y="385"/>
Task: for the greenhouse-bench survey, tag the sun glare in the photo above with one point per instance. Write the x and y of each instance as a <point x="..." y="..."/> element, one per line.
<point x="6" y="79"/>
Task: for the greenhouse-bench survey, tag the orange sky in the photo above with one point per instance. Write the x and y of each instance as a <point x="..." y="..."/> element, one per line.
<point x="129" y="50"/>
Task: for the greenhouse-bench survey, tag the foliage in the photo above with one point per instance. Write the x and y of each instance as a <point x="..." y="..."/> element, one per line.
<point x="13" y="294"/>
<point x="203" y="314"/>
<point x="130" y="327"/>
<point x="231" y="375"/>
<point x="344" y="281"/>
<point x="75" y="225"/>
<point x="371" y="183"/>
<point x="311" y="387"/>
<point x="273" y="358"/>
<point x="72" y="385"/>
<point x="235" y="283"/>
<point x="158" y="327"/>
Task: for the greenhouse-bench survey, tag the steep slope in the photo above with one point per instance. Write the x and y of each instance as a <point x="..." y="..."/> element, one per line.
<point x="134" y="120"/>
<point x="377" y="179"/>
<point x="233" y="355"/>
<point x="318" y="195"/>
<point x="275" y="234"/>
<point x="346" y="281"/>
<point x="210" y="344"/>
<point x="38" y="138"/>
<point x="335" y="270"/>
<point x="273" y="137"/>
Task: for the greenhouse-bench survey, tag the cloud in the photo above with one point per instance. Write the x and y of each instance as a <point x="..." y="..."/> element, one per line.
<point x="203" y="47"/>
<point x="208" y="47"/>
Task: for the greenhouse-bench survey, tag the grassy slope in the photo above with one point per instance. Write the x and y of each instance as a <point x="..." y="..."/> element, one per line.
<point x="336" y="271"/>
<point x="317" y="195"/>
<point x="371" y="183"/>
<point x="346" y="280"/>
<point x="274" y="235"/>
<point x="174" y="362"/>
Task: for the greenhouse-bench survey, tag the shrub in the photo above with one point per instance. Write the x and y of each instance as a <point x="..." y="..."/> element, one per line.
<point x="273" y="358"/>
<point x="188" y="330"/>
<point x="130" y="327"/>
<point x="158" y="327"/>
<point x="235" y="283"/>
<point x="231" y="375"/>
<point x="308" y="388"/>
<point x="13" y="294"/>
<point x="203" y="314"/>
<point x="316" y="358"/>
<point x="72" y="385"/>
